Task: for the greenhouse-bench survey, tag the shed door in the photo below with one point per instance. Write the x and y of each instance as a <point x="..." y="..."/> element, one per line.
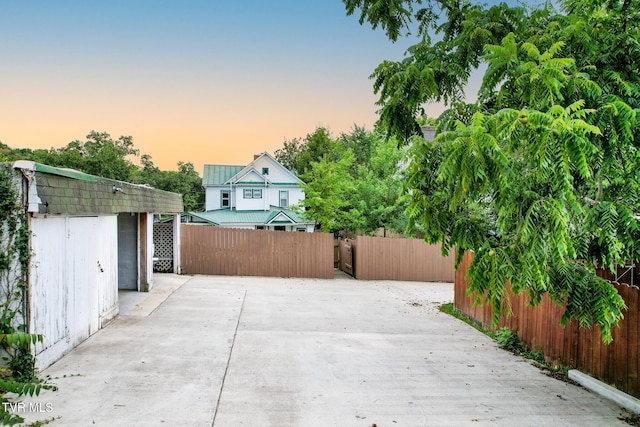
<point x="82" y="256"/>
<point x="128" y="251"/>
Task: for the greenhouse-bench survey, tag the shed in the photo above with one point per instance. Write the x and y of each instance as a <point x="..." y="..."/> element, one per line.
<point x="90" y="237"/>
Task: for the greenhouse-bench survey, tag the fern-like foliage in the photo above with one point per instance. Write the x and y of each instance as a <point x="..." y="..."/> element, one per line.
<point x="540" y="176"/>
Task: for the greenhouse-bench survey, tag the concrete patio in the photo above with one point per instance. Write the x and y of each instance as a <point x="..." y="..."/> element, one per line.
<point x="233" y="351"/>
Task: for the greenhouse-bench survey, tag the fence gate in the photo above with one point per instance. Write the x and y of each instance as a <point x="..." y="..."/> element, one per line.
<point x="346" y="256"/>
<point x="163" y="246"/>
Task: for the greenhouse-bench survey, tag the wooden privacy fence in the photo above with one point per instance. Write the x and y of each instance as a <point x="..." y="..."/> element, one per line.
<point x="378" y="258"/>
<point x="238" y="252"/>
<point x="539" y="327"/>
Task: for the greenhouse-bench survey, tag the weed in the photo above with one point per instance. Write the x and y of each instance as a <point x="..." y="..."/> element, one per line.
<point x="510" y="341"/>
<point x="17" y="372"/>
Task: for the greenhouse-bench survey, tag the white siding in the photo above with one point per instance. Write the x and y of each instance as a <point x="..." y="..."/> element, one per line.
<point x="212" y="198"/>
<point x="150" y="250"/>
<point x="107" y="278"/>
<point x="48" y="291"/>
<point x="73" y="281"/>
<point x="295" y="194"/>
<point x="243" y="204"/>
<point x="278" y="175"/>
<point x="277" y="172"/>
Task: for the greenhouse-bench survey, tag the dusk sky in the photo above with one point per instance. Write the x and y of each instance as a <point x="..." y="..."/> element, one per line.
<point x="198" y="81"/>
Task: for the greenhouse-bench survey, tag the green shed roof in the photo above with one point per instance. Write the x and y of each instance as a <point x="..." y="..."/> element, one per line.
<point x="55" y="190"/>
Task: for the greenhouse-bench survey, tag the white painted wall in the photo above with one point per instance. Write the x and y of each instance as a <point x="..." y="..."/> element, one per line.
<point x="270" y="196"/>
<point x="150" y="250"/>
<point x="107" y="278"/>
<point x="277" y="172"/>
<point x="73" y="281"/>
<point x="243" y="204"/>
<point x="212" y="197"/>
<point x="295" y="195"/>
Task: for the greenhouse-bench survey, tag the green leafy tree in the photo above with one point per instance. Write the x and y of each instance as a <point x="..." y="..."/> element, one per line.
<point x="8" y="154"/>
<point x="288" y="154"/>
<point x="110" y="158"/>
<point x="317" y="146"/>
<point x="378" y="185"/>
<point x="99" y="155"/>
<point x="539" y="176"/>
<point x="356" y="187"/>
<point x="327" y="192"/>
<point x="185" y="181"/>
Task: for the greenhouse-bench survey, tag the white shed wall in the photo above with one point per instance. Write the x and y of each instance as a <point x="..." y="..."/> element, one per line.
<point x="150" y="250"/>
<point x="73" y="281"/>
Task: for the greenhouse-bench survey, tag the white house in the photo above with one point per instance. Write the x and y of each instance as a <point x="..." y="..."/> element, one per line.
<point x="89" y="238"/>
<point x="256" y="196"/>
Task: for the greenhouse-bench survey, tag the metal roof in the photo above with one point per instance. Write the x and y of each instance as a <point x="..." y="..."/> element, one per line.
<point x="218" y="174"/>
<point x="232" y="216"/>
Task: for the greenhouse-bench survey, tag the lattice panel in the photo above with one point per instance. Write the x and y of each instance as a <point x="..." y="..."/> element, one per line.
<point x="163" y="245"/>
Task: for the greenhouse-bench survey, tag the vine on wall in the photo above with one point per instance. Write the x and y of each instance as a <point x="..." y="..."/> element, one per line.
<point x="17" y="374"/>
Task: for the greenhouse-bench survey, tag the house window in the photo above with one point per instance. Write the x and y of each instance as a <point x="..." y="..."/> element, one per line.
<point x="265" y="171"/>
<point x="284" y="198"/>
<point x="280" y="228"/>
<point x="225" y="199"/>
<point x="259" y="227"/>
<point x="252" y="194"/>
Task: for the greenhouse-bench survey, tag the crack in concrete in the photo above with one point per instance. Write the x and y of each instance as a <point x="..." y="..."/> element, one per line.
<point x="226" y="369"/>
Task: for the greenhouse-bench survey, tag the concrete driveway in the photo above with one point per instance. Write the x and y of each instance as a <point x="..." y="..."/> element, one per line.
<point x="239" y="351"/>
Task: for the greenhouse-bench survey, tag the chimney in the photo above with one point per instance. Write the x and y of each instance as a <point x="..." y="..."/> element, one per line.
<point x="429" y="132"/>
<point x="255" y="156"/>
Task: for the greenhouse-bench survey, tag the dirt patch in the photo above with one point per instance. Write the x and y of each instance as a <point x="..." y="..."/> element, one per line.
<point x="558" y="375"/>
<point x="631" y="419"/>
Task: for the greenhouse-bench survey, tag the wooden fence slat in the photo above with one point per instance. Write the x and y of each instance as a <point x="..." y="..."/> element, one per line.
<point x="632" y="317"/>
<point x="378" y="258"/>
<point x="539" y="327"/>
<point x="225" y="251"/>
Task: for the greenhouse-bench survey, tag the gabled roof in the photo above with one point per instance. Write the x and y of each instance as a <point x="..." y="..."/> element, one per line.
<point x="225" y="174"/>
<point x="280" y="218"/>
<point x="275" y="215"/>
<point x="249" y="176"/>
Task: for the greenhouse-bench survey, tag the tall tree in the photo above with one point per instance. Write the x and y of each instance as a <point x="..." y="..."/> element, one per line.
<point x="328" y="191"/>
<point x="539" y="176"/>
<point x="185" y="181"/>
<point x="317" y="145"/>
<point x="110" y="158"/>
<point x="288" y="154"/>
<point x="99" y="155"/>
<point x="357" y="185"/>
